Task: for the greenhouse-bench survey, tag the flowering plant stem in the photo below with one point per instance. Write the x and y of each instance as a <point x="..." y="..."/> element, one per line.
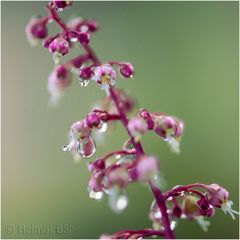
<point x="194" y="201"/>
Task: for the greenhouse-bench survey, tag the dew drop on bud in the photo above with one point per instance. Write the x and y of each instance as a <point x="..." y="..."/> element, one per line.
<point x="65" y="148"/>
<point x="173" y="225"/>
<point x="96" y="195"/>
<point x="73" y="40"/>
<point x="103" y="127"/>
<point x="56" y="57"/>
<point x="84" y="82"/>
<point x="118" y="201"/>
<point x="86" y="149"/>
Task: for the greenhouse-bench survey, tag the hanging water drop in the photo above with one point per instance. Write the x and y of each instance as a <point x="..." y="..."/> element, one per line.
<point x="103" y="127"/>
<point x="96" y="195"/>
<point x="118" y="201"/>
<point x="173" y="225"/>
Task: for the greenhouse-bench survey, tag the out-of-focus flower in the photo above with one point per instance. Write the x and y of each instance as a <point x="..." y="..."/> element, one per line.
<point x="36" y="29"/>
<point x="58" y="81"/>
<point x="137" y="127"/>
<point x="146" y="167"/>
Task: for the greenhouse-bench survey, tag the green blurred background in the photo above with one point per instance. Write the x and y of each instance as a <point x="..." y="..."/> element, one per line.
<point x="186" y="61"/>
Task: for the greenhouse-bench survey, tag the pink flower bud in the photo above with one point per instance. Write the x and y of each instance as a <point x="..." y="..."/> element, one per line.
<point x="84" y="38"/>
<point x="126" y="70"/>
<point x="146" y="167"/>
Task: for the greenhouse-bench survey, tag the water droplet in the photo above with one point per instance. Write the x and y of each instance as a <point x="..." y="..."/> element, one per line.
<point x="86" y="148"/>
<point x="84" y="82"/>
<point x="73" y="39"/>
<point x="173" y="225"/>
<point x="118" y="156"/>
<point x="118" y="201"/>
<point x="59" y="9"/>
<point x="56" y="57"/>
<point x="65" y="148"/>
<point x="96" y="195"/>
<point x="159" y="180"/>
<point x="157" y="214"/>
<point x="103" y="127"/>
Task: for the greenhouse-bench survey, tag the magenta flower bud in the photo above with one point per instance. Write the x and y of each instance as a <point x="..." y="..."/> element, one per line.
<point x="146" y="168"/>
<point x="47" y="42"/>
<point x="92" y="120"/>
<point x="92" y="25"/>
<point x="85" y="73"/>
<point x="84" y="38"/>
<point x="59" y="45"/>
<point x="126" y="70"/>
<point x="216" y="195"/>
<point x="36" y="29"/>
<point x="97" y="165"/>
<point x="60" y="5"/>
<point x="176" y="211"/>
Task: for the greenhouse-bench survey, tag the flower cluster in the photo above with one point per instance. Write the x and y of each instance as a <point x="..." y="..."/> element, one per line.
<point x="193" y="202"/>
<point x="111" y="174"/>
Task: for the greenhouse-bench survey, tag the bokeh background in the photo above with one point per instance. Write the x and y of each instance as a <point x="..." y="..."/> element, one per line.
<point x="186" y="61"/>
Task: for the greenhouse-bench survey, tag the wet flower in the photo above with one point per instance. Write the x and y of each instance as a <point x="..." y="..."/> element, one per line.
<point x="146" y="167"/>
<point x="218" y="197"/>
<point x="126" y="70"/>
<point x="105" y="76"/>
<point x="85" y="74"/>
<point x="58" y="47"/>
<point x="36" y="29"/>
<point x="80" y="140"/>
<point x="137" y="127"/>
<point x="58" y="81"/>
<point x="170" y="129"/>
